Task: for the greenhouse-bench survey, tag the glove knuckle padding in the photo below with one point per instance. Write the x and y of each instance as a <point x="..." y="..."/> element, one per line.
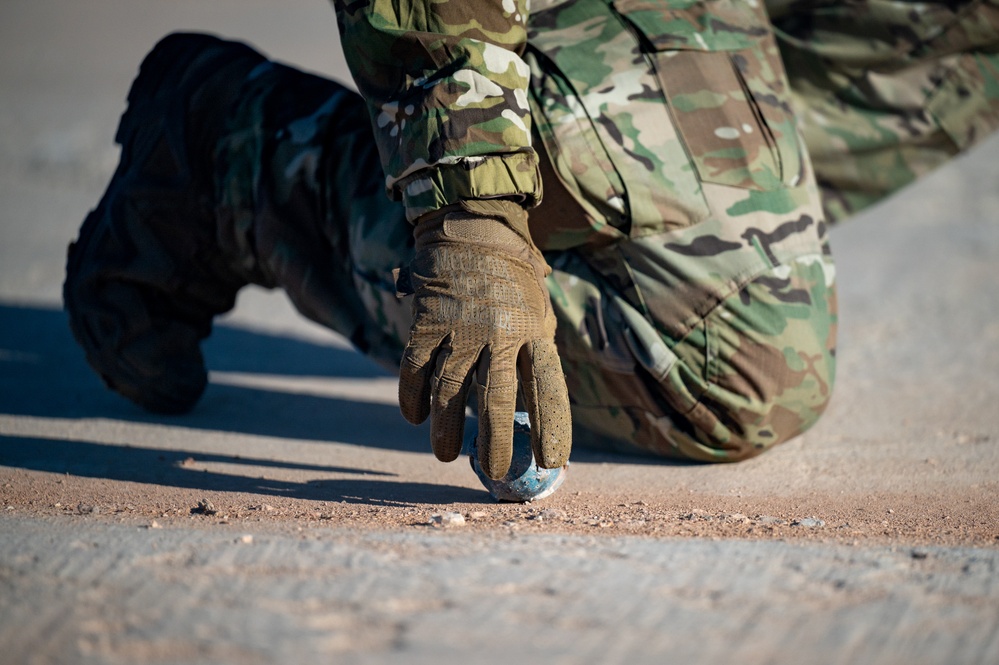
<point x="481" y="310"/>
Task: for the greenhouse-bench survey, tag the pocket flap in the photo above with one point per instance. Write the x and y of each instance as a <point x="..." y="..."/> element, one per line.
<point x="709" y="25"/>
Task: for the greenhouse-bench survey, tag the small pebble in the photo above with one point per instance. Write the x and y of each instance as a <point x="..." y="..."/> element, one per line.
<point x="447" y="520"/>
<point x="246" y="539"/>
<point x="477" y="515"/>
<point x="769" y="519"/>
<point x="919" y="554"/>
<point x="809" y="522"/>
<point x="204" y="507"/>
<point x="155" y="525"/>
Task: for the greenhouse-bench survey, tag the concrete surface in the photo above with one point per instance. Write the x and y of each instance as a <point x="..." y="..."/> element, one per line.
<point x="874" y="538"/>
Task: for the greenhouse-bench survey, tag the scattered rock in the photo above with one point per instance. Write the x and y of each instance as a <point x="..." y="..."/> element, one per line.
<point x="447" y="520"/>
<point x="204" y="507"/>
<point x="770" y="519"/>
<point x="919" y="554"/>
<point x="155" y="525"/>
<point x="477" y="515"/>
<point x="549" y="514"/>
<point x="86" y="509"/>
<point x="188" y="461"/>
<point x="245" y="539"/>
<point x="812" y="522"/>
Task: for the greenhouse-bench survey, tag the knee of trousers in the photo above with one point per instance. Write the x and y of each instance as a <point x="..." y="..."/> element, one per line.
<point x="757" y="371"/>
<point x="761" y="368"/>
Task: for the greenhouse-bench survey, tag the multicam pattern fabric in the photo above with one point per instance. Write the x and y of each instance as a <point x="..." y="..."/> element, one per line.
<point x="710" y="343"/>
<point x="300" y="206"/>
<point x="697" y="314"/>
<point x="887" y="91"/>
<point x="692" y="279"/>
<point x="447" y="92"/>
<point x="640" y="102"/>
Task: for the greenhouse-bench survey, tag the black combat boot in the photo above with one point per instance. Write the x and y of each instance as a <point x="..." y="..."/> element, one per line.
<point x="146" y="275"/>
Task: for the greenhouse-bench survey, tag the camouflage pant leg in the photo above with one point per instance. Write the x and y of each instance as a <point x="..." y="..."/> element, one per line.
<point x="302" y="206"/>
<point x="692" y="276"/>
<point x="888" y="90"/>
<point x="661" y="357"/>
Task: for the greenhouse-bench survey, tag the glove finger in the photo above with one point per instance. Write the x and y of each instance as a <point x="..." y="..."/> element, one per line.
<point x="414" y="379"/>
<point x="450" y="386"/>
<point x="497" y="391"/>
<point x="547" y="400"/>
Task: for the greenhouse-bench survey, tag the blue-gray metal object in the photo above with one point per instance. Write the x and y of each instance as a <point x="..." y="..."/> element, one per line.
<point x="525" y="481"/>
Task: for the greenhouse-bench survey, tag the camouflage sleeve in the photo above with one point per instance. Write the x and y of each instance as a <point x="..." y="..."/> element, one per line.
<point x="447" y="92"/>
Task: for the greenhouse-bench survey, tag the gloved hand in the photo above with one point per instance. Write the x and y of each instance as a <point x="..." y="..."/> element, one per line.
<point x="481" y="313"/>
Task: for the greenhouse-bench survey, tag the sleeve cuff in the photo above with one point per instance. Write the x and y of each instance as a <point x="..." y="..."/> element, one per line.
<point x="513" y="176"/>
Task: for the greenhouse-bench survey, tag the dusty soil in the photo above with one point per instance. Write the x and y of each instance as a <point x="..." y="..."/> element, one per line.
<point x="968" y="518"/>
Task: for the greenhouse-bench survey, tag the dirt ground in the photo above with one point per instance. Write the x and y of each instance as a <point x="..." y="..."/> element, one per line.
<point x="297" y="434"/>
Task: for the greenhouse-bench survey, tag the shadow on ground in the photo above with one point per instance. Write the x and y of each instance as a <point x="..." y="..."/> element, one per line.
<point x="43" y="374"/>
<point x="186" y="469"/>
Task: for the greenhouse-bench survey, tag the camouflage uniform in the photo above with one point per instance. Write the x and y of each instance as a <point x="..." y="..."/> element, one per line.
<point x="683" y="217"/>
<point x="885" y="92"/>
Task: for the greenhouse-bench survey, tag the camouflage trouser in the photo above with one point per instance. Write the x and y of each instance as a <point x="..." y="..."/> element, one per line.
<point x="692" y="278"/>
<point x="886" y="91"/>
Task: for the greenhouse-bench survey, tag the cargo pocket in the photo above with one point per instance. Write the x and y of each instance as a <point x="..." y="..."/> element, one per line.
<point x="577" y="153"/>
<point x="604" y="122"/>
<point x="725" y="85"/>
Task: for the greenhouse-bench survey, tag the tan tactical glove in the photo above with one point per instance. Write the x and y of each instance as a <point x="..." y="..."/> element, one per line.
<point x="481" y="313"/>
